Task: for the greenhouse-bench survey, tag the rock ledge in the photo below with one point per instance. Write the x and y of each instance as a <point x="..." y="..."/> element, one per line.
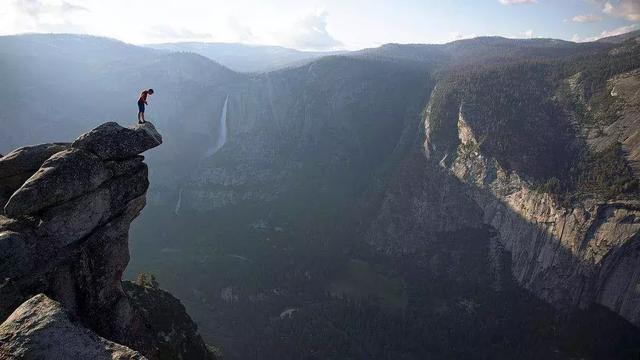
<point x="64" y="246"/>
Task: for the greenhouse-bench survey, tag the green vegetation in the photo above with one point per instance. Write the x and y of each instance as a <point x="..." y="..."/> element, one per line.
<point x="552" y="186"/>
<point x="443" y="116"/>
<point x="450" y="313"/>
<point x="507" y="106"/>
<point x="362" y="282"/>
<point x="596" y="68"/>
<point x="529" y="114"/>
<point x="147" y="280"/>
<point x="605" y="173"/>
<point x="215" y="352"/>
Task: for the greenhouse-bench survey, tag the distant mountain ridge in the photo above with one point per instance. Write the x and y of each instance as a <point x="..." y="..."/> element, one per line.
<point x="617" y="39"/>
<point x="244" y="57"/>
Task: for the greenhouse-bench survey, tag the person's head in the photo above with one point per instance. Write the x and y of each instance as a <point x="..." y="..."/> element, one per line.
<point x="150" y="91"/>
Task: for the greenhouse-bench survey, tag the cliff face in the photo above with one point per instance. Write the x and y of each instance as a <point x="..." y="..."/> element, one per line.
<point x="64" y="235"/>
<point x="569" y="256"/>
<point x="549" y="157"/>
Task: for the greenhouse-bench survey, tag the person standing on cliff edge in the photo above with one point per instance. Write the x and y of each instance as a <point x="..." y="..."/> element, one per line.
<point x="142" y="101"/>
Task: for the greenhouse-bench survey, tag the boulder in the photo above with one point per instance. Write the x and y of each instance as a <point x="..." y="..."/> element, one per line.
<point x="111" y="141"/>
<point x="76" y="218"/>
<point x="28" y="159"/>
<point x="17" y="166"/>
<point x="64" y="176"/>
<point x="41" y="328"/>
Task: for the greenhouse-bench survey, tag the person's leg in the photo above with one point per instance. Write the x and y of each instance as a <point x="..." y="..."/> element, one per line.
<point x="140" y="112"/>
<point x="143" y="120"/>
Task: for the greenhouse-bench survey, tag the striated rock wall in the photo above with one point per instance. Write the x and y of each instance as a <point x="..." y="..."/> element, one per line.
<point x="64" y="234"/>
<point x="568" y="256"/>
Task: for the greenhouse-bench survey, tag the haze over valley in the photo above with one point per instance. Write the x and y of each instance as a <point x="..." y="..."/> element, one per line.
<point x="476" y="198"/>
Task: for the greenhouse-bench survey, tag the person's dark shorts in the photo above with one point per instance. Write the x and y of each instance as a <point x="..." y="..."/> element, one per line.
<point x="140" y="106"/>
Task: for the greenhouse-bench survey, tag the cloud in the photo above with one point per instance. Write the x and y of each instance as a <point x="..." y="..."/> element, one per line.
<point x="66" y="7"/>
<point x="38" y="9"/>
<point x="242" y="32"/>
<point x="607" y="33"/>
<point x="517" y="2"/>
<point x="454" y="36"/>
<point x="527" y="34"/>
<point x="590" y="18"/>
<point x="628" y="9"/>
<point x="46" y="16"/>
<point x="170" y="33"/>
<point x="311" y="33"/>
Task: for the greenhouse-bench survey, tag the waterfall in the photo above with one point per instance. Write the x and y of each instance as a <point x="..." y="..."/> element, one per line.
<point x="178" y="204"/>
<point x="222" y="133"/>
<point x="219" y="143"/>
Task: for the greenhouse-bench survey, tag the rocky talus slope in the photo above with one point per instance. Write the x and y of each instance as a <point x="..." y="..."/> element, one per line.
<point x="63" y="249"/>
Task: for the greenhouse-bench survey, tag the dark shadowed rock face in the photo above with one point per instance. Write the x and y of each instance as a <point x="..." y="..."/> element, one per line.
<point x="164" y="315"/>
<point x="64" y="234"/>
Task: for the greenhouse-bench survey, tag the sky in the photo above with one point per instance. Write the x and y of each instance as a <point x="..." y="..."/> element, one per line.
<point x="321" y="24"/>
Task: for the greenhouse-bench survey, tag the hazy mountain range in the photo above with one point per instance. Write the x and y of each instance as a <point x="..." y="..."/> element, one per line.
<point x="246" y="58"/>
<point x="476" y="199"/>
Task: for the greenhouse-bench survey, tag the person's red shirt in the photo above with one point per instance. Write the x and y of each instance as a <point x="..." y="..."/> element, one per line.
<point x="143" y="96"/>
